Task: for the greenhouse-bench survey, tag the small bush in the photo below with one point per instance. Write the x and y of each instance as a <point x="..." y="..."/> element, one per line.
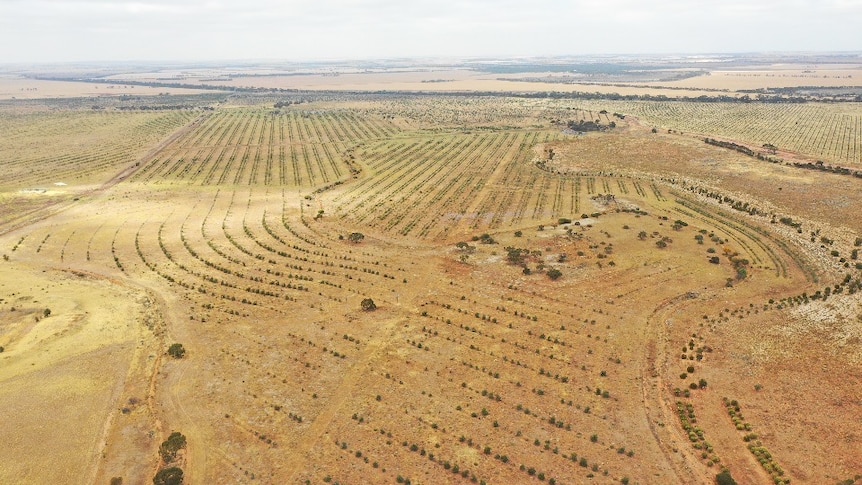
<point x="177" y="351"/>
<point x="368" y="305"/>
<point x="724" y="478"/>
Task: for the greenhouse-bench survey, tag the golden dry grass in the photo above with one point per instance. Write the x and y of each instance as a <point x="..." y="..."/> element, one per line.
<point x="13" y="87"/>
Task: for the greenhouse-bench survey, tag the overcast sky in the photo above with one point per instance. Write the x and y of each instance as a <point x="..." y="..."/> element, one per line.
<point x="161" y="30"/>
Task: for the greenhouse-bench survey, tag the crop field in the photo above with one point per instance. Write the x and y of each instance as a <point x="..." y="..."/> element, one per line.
<point x="819" y="131"/>
<point x="427" y="290"/>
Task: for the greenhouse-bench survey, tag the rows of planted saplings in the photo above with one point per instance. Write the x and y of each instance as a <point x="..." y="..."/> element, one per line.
<point x="526" y="195"/>
<point x="460" y="112"/>
<point x="814" y="129"/>
<point x="693" y="354"/>
<point x="368" y="201"/>
<point x="451" y="189"/>
<point x="414" y="185"/>
<point x="762" y="238"/>
<point x="52" y="243"/>
<point x="279" y="381"/>
<point x="91" y="146"/>
<point x="288" y="373"/>
<point x="217" y="156"/>
<point x="421" y="411"/>
<point x="255" y="259"/>
<point x="693" y="357"/>
<point x="206" y="141"/>
<point x="258" y="147"/>
<point x="510" y="153"/>
<point x="383" y="166"/>
<point x="846" y="256"/>
<point x="726" y="229"/>
<point x="440" y="189"/>
<point x="517" y="167"/>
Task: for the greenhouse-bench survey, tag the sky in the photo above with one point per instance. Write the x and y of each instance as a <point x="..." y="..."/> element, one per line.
<point x="202" y="30"/>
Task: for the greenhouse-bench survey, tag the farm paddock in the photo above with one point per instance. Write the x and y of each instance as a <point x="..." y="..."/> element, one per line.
<point x="557" y="299"/>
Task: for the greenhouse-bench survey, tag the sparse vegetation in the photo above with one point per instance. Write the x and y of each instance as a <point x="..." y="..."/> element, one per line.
<point x="585" y="267"/>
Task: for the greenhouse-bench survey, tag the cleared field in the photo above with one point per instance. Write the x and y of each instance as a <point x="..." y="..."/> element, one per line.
<point x="14" y="87"/>
<point x="551" y="307"/>
<point x="772" y="77"/>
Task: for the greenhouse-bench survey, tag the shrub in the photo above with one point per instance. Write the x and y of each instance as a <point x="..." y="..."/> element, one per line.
<point x="554" y="274"/>
<point x="724" y="478"/>
<point x="177" y="351"/>
<point x="169" y="476"/>
<point x="368" y="305"/>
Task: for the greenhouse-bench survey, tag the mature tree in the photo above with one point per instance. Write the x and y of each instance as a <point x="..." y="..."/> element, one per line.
<point x="356" y="237"/>
<point x="169" y="476"/>
<point x="169" y="448"/>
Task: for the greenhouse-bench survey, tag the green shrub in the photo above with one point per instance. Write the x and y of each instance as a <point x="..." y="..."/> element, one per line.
<point x="724" y="478"/>
<point x="177" y="351"/>
<point x="368" y="305"/>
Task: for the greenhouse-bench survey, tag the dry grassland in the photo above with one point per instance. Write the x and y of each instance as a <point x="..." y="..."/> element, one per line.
<point x="688" y="274"/>
<point x="13" y="87"/>
<point x="774" y="77"/>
